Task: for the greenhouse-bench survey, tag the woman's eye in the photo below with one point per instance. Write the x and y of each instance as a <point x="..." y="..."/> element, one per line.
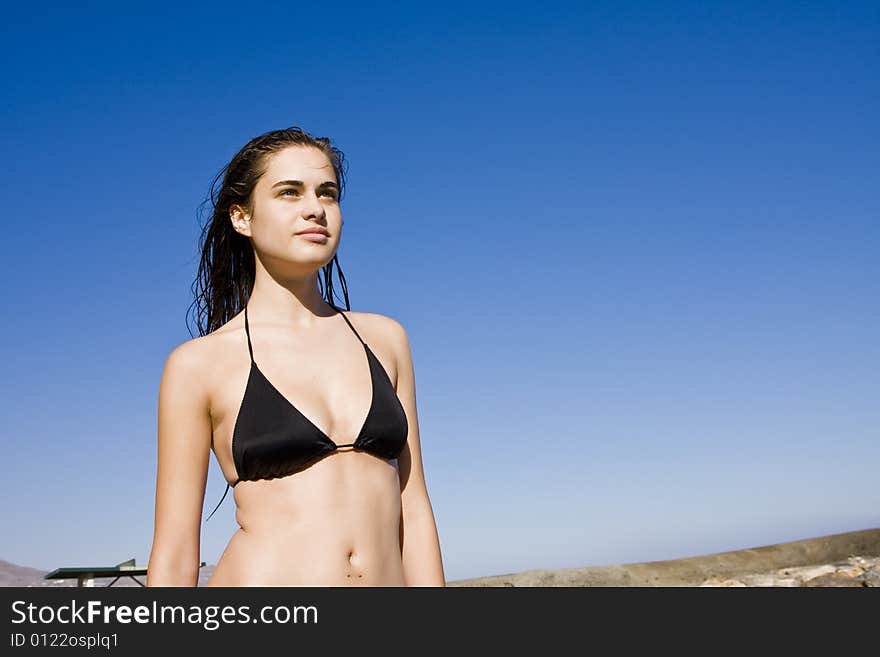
<point x="331" y="194"/>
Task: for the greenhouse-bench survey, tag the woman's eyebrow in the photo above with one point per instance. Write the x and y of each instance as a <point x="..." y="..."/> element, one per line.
<point x="299" y="183"/>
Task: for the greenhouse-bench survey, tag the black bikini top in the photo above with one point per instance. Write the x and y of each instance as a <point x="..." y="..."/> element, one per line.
<point x="273" y="439"/>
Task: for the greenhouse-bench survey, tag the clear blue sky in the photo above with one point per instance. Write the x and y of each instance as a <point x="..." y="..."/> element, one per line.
<point x="634" y="246"/>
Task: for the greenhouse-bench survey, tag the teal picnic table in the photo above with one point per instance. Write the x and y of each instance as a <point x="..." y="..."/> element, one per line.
<point x="86" y="576"/>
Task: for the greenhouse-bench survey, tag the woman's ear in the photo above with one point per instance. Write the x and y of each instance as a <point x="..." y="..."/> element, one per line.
<point x="241" y="223"/>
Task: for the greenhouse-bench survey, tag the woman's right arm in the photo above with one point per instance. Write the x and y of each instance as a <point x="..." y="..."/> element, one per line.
<point x="182" y="469"/>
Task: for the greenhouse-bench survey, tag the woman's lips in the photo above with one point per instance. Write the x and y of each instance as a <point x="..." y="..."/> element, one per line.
<point x="313" y="237"/>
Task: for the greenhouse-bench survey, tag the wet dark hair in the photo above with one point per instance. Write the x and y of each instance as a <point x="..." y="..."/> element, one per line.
<point x="226" y="273"/>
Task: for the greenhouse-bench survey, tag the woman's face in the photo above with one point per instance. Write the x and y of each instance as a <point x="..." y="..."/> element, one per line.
<point x="298" y="192"/>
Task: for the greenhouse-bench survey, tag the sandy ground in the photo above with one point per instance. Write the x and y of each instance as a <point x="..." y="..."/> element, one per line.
<point x="848" y="559"/>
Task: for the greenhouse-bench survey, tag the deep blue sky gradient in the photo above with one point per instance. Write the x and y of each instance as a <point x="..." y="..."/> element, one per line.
<point x="634" y="246"/>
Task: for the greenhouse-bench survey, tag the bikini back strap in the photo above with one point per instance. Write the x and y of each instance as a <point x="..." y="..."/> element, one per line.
<point x="220" y="502"/>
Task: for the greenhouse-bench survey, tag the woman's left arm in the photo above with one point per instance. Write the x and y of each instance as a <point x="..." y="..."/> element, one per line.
<point x="419" y="542"/>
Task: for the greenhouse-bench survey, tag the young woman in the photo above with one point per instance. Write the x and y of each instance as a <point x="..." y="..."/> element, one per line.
<point x="310" y="409"/>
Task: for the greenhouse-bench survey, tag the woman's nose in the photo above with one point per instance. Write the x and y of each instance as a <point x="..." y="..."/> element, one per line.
<point x="312" y="206"/>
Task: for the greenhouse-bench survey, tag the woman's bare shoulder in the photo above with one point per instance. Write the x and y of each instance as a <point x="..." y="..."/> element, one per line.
<point x="375" y="323"/>
<point x="383" y="330"/>
<point x="201" y="354"/>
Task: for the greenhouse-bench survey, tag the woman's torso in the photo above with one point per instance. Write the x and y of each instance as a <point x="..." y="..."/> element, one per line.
<point x="336" y="522"/>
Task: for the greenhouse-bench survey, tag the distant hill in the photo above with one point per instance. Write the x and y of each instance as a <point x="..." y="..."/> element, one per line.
<point x="847" y="559"/>
<point x="14" y="575"/>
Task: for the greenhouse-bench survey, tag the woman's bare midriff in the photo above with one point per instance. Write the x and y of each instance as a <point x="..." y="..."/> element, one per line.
<point x="336" y="523"/>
